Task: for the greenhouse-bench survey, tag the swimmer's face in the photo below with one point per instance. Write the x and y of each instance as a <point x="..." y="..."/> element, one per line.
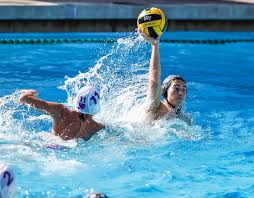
<point x="177" y="93"/>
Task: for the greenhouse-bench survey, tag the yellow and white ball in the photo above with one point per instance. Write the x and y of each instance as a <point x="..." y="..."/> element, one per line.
<point x="152" y="22"/>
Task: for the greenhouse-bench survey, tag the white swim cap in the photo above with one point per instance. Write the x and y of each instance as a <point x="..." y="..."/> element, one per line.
<point x="7" y="182"/>
<point x="87" y="100"/>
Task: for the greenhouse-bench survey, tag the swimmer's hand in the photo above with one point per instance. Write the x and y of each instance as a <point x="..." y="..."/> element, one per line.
<point x="149" y="39"/>
<point x="26" y="94"/>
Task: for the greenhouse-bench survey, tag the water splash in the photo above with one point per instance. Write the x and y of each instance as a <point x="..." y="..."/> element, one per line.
<point x="121" y="76"/>
<point x="8" y="109"/>
<point x="20" y="134"/>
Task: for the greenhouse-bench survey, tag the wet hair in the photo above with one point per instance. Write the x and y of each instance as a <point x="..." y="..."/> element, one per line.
<point x="167" y="83"/>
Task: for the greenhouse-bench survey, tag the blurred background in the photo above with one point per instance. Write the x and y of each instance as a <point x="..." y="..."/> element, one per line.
<point x="121" y="15"/>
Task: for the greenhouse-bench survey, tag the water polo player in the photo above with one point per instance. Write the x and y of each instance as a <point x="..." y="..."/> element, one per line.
<point x="173" y="89"/>
<point x="7" y="182"/>
<point x="67" y="123"/>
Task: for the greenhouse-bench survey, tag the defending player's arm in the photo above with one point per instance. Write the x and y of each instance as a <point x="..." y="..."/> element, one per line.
<point x="51" y="108"/>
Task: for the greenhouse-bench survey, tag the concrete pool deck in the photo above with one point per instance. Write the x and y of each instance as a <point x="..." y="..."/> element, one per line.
<point x="120" y="15"/>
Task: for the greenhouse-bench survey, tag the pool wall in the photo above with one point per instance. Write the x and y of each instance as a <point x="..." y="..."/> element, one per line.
<point x="82" y="16"/>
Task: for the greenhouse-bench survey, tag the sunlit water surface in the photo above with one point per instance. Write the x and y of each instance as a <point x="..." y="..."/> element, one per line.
<point x="212" y="158"/>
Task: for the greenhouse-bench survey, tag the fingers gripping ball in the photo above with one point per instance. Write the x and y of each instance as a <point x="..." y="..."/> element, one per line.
<point x="7" y="182"/>
<point x="152" y="22"/>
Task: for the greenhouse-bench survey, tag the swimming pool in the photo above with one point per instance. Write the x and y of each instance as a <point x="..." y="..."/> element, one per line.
<point x="212" y="158"/>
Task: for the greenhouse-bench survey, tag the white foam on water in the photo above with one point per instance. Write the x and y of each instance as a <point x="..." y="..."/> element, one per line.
<point x="26" y="147"/>
<point x="121" y="76"/>
<point x="61" y="167"/>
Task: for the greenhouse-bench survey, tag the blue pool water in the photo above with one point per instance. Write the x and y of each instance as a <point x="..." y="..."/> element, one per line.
<point x="213" y="158"/>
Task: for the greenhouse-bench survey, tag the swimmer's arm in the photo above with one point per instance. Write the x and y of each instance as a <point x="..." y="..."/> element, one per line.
<point x="29" y="97"/>
<point x="154" y="90"/>
<point x="186" y="118"/>
<point x="154" y="79"/>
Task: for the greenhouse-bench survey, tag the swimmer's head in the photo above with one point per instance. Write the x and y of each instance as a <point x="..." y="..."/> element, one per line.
<point x="173" y="89"/>
<point x="7" y="182"/>
<point x="87" y="100"/>
<point x="96" y="195"/>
